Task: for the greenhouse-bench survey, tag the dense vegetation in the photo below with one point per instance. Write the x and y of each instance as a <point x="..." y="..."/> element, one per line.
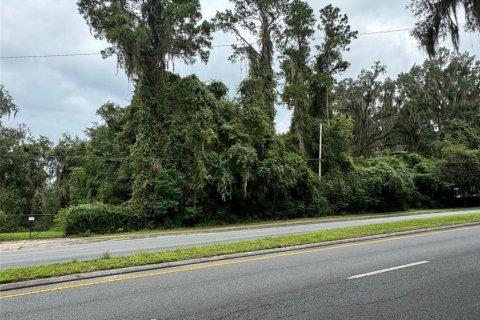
<point x="185" y="152"/>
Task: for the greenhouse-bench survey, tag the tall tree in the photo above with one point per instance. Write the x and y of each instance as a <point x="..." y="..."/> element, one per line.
<point x="7" y="108"/>
<point x="23" y="163"/>
<point x="68" y="154"/>
<point x="257" y="26"/>
<point x="145" y="35"/>
<point x="329" y="61"/>
<point x="298" y="34"/>
<point x="439" y="18"/>
<point x="373" y="106"/>
<point x="438" y="96"/>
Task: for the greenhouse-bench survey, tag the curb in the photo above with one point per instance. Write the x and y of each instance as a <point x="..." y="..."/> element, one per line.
<point x="113" y="272"/>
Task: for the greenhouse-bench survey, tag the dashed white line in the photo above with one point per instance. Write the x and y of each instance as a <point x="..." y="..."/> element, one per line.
<point x="387" y="270"/>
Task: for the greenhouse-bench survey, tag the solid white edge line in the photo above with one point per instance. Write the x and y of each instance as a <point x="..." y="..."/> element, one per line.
<point x="387" y="270"/>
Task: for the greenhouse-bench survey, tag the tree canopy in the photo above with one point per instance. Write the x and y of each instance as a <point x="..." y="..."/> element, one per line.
<point x="184" y="152"/>
<point x="438" y="19"/>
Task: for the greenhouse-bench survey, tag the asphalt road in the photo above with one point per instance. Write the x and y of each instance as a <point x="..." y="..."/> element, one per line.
<point x="68" y="252"/>
<point x="433" y="275"/>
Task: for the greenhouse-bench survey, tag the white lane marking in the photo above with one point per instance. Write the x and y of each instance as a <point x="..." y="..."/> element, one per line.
<point x="387" y="270"/>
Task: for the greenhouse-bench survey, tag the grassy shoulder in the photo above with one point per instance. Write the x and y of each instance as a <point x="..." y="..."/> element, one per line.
<point x="15" y="236"/>
<point x="107" y="262"/>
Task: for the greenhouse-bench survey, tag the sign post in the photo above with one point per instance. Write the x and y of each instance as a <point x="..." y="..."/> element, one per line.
<point x="31" y="219"/>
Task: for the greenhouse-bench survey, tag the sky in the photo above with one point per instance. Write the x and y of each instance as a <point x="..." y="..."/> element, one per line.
<point x="61" y="94"/>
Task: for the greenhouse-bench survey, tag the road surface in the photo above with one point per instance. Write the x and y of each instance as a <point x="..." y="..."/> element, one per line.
<point x="434" y="275"/>
<point x="68" y="252"/>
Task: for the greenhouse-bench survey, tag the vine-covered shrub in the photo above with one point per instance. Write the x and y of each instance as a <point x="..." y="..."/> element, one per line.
<point x="98" y="218"/>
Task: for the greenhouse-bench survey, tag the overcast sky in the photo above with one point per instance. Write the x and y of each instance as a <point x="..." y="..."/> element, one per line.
<point x="61" y="94"/>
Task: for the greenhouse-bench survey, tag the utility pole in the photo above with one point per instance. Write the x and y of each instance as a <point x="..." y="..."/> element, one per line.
<point x="320" y="151"/>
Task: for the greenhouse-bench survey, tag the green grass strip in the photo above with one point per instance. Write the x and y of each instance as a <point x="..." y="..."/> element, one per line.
<point x="107" y="262"/>
<point x="10" y="236"/>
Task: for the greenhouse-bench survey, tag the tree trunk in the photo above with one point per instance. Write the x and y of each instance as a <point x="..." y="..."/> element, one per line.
<point x="327" y="104"/>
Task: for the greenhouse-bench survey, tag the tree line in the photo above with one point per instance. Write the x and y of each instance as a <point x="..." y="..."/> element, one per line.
<point x="185" y="152"/>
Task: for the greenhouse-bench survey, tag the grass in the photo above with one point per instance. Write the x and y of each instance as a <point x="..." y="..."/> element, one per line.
<point x="210" y="228"/>
<point x="61" y="269"/>
<point x="35" y="235"/>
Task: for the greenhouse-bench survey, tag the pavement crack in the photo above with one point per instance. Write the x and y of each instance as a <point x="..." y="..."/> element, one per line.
<point x="241" y="312"/>
<point x="385" y="300"/>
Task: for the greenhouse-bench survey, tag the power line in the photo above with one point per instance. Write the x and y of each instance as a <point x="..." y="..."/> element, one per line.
<point x="214" y="46"/>
<point x="375" y="32"/>
<point x="385" y="31"/>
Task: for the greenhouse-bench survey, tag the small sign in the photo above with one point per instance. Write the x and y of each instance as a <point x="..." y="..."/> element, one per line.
<point x="31" y="218"/>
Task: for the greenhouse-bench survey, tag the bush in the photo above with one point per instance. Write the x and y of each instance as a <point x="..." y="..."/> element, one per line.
<point x="388" y="184"/>
<point x="3" y="221"/>
<point x="460" y="167"/>
<point x="342" y="190"/>
<point x="98" y="218"/>
<point x="431" y="191"/>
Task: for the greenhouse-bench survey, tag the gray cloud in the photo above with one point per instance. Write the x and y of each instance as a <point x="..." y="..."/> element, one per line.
<point x="62" y="94"/>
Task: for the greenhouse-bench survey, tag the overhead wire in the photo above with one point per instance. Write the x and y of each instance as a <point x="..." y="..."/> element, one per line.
<point x="57" y="55"/>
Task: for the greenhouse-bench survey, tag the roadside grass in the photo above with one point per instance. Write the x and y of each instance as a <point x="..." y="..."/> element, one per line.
<point x="219" y="227"/>
<point x="35" y="234"/>
<point x="103" y="263"/>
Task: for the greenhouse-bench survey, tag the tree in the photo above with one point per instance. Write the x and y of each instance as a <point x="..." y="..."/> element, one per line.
<point x="329" y="61"/>
<point x="146" y="34"/>
<point x="7" y="106"/>
<point x="68" y="154"/>
<point x="260" y="20"/>
<point x="295" y="69"/>
<point x="440" y="101"/>
<point x="372" y="105"/>
<point x="24" y="161"/>
<point x="460" y="167"/>
<point x="105" y="165"/>
<point x="439" y="18"/>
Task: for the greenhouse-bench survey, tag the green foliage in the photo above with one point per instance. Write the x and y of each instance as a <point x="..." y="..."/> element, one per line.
<point x="460" y="167"/>
<point x="387" y="184"/>
<point x="145" y="34"/>
<point x="183" y="152"/>
<point x="262" y="21"/>
<point x="441" y="101"/>
<point x="338" y="146"/>
<point x="372" y="105"/>
<point x="340" y="189"/>
<point x="167" y="197"/>
<point x="98" y="218"/>
<point x="219" y="89"/>
<point x="329" y="60"/>
<point x="438" y="19"/>
<point x="7" y="106"/>
<point x="3" y="221"/>
<point x="24" y="161"/>
<point x="299" y="32"/>
<point x="78" y="188"/>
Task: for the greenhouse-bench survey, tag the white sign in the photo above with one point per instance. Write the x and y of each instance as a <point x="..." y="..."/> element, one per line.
<point x="31" y="218"/>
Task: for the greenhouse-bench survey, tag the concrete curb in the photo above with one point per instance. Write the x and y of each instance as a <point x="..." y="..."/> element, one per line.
<point x="113" y="272"/>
